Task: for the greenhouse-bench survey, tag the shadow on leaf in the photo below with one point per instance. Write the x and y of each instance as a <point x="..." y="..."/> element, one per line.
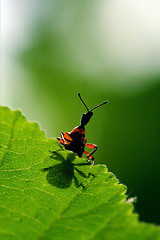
<point x="61" y="175"/>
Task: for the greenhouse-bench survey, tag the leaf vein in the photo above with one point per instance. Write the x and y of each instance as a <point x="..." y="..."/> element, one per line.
<point x="11" y="136"/>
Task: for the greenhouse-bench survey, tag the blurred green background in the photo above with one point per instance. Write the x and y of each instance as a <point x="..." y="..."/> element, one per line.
<point x="106" y="50"/>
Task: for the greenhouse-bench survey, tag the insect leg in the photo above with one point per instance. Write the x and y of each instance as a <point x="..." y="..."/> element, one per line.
<point x="60" y="140"/>
<point x="93" y="146"/>
<point x="89" y="156"/>
<point x="66" y="138"/>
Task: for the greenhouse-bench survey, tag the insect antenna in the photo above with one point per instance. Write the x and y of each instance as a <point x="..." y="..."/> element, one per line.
<point x="98" y="106"/>
<point x="83" y="101"/>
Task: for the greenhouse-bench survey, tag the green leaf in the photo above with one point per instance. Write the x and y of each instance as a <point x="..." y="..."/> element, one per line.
<point x="57" y="195"/>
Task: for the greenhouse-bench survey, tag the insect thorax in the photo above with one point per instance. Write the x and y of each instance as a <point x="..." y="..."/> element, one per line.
<point x="77" y="144"/>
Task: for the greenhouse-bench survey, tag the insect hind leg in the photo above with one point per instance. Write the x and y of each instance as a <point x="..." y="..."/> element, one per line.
<point x="60" y="140"/>
<point x="65" y="138"/>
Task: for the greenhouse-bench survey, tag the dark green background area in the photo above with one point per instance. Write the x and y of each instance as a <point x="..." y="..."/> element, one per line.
<point x="126" y="130"/>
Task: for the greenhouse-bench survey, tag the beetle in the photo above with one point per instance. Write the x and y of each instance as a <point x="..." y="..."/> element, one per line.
<point x="75" y="140"/>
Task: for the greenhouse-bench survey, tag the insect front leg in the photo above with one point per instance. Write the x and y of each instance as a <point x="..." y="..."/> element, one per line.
<point x="89" y="155"/>
<point x="90" y="158"/>
<point x="93" y="146"/>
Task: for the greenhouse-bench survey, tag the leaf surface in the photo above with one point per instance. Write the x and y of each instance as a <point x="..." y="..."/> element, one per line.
<point x="50" y="193"/>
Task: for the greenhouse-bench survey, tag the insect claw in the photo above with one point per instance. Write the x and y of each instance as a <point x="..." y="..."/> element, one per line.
<point x="91" y="162"/>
